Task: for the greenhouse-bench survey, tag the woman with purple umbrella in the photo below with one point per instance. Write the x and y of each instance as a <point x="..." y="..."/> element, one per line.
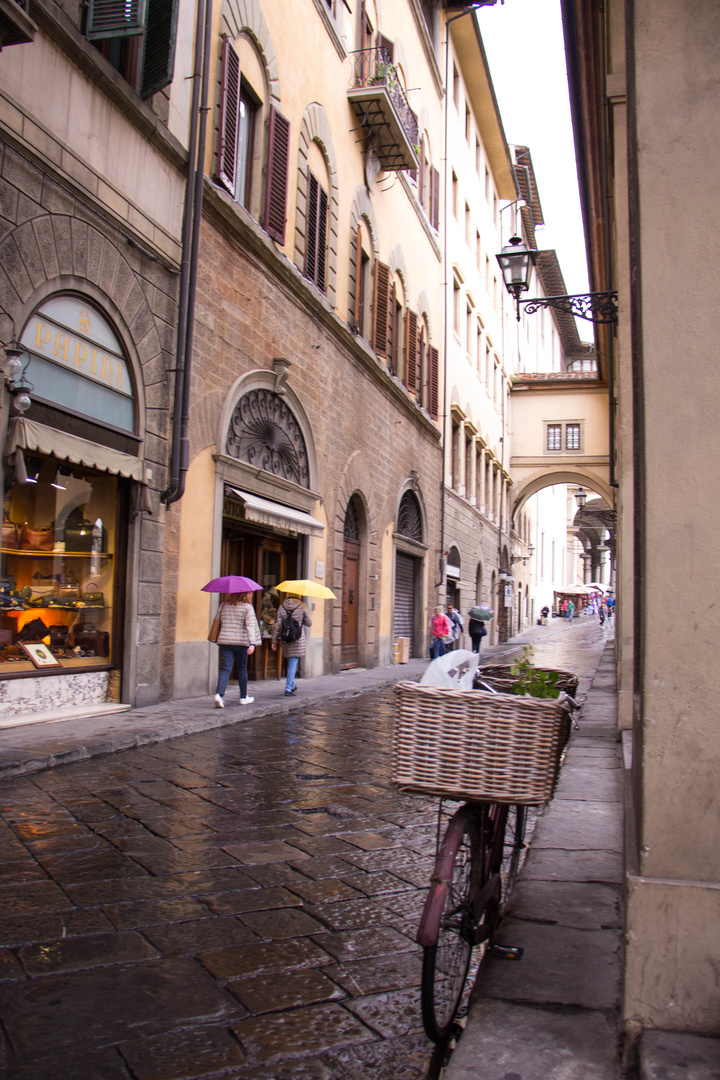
<point x="239" y="633"/>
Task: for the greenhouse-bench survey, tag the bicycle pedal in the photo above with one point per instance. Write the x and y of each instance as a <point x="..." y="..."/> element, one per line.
<point x="506" y="952"/>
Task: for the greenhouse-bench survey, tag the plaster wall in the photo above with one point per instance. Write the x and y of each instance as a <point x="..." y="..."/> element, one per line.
<point x="674" y="914"/>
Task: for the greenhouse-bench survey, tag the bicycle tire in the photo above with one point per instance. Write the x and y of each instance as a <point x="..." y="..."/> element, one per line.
<point x="513" y="848"/>
<point x="446" y="963"/>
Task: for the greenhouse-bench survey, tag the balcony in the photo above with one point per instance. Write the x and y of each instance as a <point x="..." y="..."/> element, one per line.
<point x="390" y="126"/>
<point x="16" y="26"/>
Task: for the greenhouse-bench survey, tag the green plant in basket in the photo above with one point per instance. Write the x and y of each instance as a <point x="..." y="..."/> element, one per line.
<point x="538" y="684"/>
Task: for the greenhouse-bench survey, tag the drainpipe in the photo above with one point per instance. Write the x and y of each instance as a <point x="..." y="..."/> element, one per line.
<point x="179" y="454"/>
<point x="608" y="260"/>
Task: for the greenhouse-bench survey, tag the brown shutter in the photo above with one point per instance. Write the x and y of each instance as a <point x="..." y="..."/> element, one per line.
<point x="277" y="176"/>
<point x="411" y="346"/>
<point x="311" y="229"/>
<point x="381" y="308"/>
<point x="387" y="47"/>
<point x="434" y="373"/>
<point x="421" y="365"/>
<point x="359" y="283"/>
<point x="435" y="198"/>
<point x="229" y="105"/>
<point x="422" y="183"/>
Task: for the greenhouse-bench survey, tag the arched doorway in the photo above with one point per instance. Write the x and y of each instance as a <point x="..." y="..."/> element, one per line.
<point x="409" y="556"/>
<point x="350" y="587"/>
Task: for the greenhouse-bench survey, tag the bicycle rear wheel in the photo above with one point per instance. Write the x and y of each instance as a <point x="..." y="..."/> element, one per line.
<point x="513" y="848"/>
<point x="446" y="963"/>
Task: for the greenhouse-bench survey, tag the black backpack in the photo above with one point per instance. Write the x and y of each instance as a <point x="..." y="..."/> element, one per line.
<point x="291" y="629"/>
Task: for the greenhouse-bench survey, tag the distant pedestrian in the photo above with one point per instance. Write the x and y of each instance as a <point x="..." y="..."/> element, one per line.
<point x="477" y="631"/>
<point x="457" y="626"/>
<point x="610" y="605"/>
<point x="544" y="614"/>
<point x="441" y="633"/>
<point x="239" y="634"/>
<point x="570" y="610"/>
<point x="291" y="611"/>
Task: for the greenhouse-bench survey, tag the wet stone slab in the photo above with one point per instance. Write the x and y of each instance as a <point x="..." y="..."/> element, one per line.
<point x="284" y="990"/>
<point x="73" y="954"/>
<point x="189" y="1053"/>
<point x="299" y="1033"/>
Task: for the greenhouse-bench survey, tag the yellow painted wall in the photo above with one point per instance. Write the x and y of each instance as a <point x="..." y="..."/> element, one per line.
<point x="196" y="545"/>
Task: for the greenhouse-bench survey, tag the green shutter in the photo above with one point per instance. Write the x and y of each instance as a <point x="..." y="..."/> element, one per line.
<point x="159" y="52"/>
<point x="114" y="18"/>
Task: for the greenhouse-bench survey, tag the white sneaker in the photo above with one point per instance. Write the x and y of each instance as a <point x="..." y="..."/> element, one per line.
<point x="246" y="700"/>
<point x="219" y="703"/>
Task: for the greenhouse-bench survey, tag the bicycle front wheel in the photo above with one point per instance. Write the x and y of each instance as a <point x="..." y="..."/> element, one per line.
<point x="513" y="848"/>
<point x="446" y="963"/>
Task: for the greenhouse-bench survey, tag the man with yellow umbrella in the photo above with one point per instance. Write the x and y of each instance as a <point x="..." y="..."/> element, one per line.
<point x="292" y="618"/>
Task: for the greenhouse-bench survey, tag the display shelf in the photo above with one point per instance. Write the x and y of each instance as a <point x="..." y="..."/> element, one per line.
<point x="38" y="554"/>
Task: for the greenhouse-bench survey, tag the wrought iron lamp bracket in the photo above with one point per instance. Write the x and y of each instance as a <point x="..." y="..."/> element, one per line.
<point x="599" y="307"/>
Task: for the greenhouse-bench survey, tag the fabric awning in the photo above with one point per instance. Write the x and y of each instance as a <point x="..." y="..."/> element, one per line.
<point x="26" y="434"/>
<point x="278" y="516"/>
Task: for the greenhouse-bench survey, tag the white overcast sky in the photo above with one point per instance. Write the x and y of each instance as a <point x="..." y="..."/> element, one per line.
<point x="524" y="44"/>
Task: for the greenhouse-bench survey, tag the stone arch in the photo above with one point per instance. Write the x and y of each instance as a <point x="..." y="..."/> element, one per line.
<point x="262" y="379"/>
<point x="568" y="475"/>
<point x="423" y="310"/>
<point x="398" y="265"/>
<point x="245" y="16"/>
<point x="57" y="253"/>
<point x="314" y="127"/>
<point x="411" y="489"/>
<point x="355" y="482"/>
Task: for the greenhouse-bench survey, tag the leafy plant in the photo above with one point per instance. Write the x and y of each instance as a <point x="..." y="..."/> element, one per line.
<point x="539" y="684"/>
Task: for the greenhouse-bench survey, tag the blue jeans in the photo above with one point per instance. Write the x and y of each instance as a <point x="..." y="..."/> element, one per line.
<point x="292" y="666"/>
<point x="228" y="653"/>
<point x="437" y="648"/>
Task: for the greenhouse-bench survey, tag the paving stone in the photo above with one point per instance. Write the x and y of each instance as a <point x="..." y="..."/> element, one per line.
<point x="73" y="954"/>
<point x="299" y="1033"/>
<point x="403" y="1058"/>
<point x="284" y="923"/>
<point x="362" y="944"/>
<point x="560" y="966"/>
<point x="325" y="892"/>
<point x="90" y="1065"/>
<point x="78" y="867"/>
<point x="552" y="865"/>
<point x="376" y="884"/>
<point x="583" y="905"/>
<point x="392" y="1014"/>
<point x="273" y="852"/>
<point x="284" y="990"/>
<point x="30" y="899"/>
<point x="190" y="1053"/>
<point x="28" y="928"/>
<point x="232" y="903"/>
<point x="570" y="825"/>
<point x="199" y="936"/>
<point x="111" y="1004"/>
<point x="678" y="1055"/>
<point x="591" y="784"/>
<point x="362" y="977"/>
<point x="545" y="1044"/>
<point x="257" y="959"/>
<point x="149" y="912"/>
<point x="371" y="841"/>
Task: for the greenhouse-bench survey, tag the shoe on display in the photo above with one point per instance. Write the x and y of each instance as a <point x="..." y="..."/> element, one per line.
<point x="246" y="700"/>
<point x="219" y="703"/>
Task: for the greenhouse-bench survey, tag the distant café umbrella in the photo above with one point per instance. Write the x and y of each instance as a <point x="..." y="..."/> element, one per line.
<point x="305" y="587"/>
<point x="482" y="613"/>
<point x="233" y="583"/>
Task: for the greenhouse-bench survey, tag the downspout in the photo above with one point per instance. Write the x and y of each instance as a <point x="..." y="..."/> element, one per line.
<point x="608" y="240"/>
<point x="179" y="453"/>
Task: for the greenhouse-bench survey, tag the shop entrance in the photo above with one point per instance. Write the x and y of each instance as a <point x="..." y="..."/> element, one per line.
<point x="269" y="560"/>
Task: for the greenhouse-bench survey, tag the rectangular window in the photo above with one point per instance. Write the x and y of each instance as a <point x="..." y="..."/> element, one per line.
<point x="554" y="437"/>
<point x="137" y="38"/>
<point x="572" y="436"/>
<point x="63" y="566"/>
<point x="456" y="307"/>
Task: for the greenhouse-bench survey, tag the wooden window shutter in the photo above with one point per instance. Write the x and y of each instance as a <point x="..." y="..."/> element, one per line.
<point x="387" y="47"/>
<point x="159" y="46"/>
<point x="316" y="233"/>
<point x="114" y="18"/>
<point x="381" y="308"/>
<point x="359" y="283"/>
<point x="435" y="198"/>
<point x="411" y="347"/>
<point x="434" y="373"/>
<point x="229" y="106"/>
<point x="277" y="176"/>
<point x="421" y="365"/>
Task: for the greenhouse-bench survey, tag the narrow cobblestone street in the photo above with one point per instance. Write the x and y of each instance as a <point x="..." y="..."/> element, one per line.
<point x="239" y="903"/>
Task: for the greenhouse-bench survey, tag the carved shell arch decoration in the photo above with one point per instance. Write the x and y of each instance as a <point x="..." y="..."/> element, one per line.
<point x="264" y="432"/>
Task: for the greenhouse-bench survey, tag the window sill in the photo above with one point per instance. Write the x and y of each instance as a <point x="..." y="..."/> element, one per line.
<point x="331" y="27"/>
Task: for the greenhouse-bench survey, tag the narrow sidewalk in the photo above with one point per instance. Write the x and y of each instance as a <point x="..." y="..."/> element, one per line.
<point x="556" y="1012"/>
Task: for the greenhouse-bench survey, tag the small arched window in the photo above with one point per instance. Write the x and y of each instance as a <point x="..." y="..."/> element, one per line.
<point x="410" y="518"/>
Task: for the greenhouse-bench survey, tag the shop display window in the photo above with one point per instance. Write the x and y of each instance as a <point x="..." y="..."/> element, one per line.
<point x="58" y="568"/>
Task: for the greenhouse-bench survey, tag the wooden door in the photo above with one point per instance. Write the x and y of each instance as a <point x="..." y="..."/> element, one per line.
<point x="351" y="578"/>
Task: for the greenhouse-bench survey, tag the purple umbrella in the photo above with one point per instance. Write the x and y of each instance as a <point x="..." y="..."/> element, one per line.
<point x="233" y="583"/>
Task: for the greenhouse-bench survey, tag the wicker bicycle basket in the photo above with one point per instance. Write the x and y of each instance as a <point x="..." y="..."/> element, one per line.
<point x="471" y="744"/>
<point x="500" y="678"/>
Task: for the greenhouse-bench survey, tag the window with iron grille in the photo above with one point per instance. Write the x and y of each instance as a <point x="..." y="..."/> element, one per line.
<point x="572" y="436"/>
<point x="554" y="437"/>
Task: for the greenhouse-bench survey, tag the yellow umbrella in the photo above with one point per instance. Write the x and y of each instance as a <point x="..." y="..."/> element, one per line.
<point x="305" y="587"/>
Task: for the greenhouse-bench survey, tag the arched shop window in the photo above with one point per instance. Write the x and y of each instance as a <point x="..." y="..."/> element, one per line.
<point x="66" y="503"/>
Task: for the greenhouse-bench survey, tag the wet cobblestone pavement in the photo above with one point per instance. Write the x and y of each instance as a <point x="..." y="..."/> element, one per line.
<point x="240" y="903"/>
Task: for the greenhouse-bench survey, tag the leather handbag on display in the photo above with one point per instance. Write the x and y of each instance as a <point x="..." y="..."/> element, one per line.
<point x="10" y="534"/>
<point x="35" y="630"/>
<point x="59" y="637"/>
<point x="92" y="596"/>
<point x="97" y="641"/>
<point x="80" y="532"/>
<point x="37" y="539"/>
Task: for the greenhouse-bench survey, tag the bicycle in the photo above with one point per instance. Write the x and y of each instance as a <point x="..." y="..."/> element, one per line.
<point x="498" y="754"/>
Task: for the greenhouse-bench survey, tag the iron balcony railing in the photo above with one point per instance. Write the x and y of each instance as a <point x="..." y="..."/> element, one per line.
<point x="373" y="68"/>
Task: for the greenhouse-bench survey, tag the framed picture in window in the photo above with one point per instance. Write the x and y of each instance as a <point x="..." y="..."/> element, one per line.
<point x="40" y="655"/>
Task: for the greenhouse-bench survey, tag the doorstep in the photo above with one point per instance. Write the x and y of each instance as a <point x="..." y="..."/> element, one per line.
<point x="56" y="716"/>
